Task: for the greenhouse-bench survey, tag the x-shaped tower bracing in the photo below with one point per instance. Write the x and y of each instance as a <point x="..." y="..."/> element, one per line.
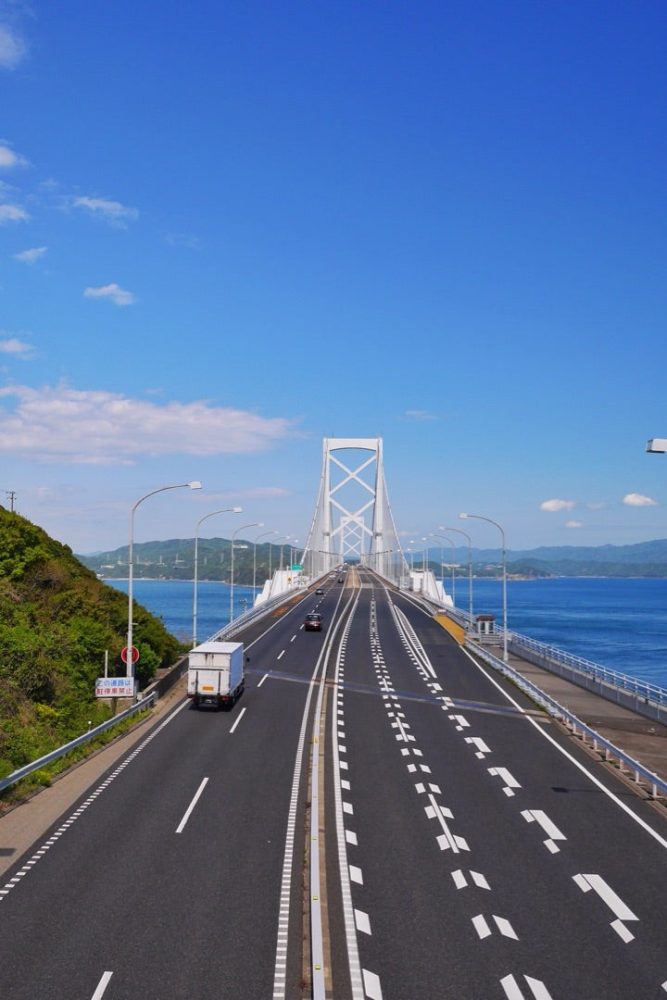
<point x="339" y="529"/>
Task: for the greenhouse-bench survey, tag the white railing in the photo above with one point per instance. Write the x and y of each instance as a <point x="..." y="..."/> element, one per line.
<point x="641" y="691"/>
<point x="658" y="786"/>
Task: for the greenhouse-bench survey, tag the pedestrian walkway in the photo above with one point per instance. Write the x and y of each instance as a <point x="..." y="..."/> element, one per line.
<point x="643" y="739"/>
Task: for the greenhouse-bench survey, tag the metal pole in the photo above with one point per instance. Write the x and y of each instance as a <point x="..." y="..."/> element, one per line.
<point x="467" y="536"/>
<point x="453" y="545"/>
<point x="255" y="524"/>
<point x="480" y="517"/>
<point x="194" y="485"/>
<point x="224" y="510"/>
<point x="254" y="559"/>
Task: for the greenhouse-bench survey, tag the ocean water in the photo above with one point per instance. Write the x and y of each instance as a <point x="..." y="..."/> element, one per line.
<point x="172" y="601"/>
<point x="619" y="623"/>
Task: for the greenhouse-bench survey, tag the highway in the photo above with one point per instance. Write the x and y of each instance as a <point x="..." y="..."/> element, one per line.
<point x="447" y="842"/>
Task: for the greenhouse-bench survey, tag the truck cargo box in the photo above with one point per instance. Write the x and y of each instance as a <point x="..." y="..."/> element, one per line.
<point x="215" y="673"/>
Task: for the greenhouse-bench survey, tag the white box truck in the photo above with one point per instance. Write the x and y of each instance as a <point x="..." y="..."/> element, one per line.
<point x="215" y="673"/>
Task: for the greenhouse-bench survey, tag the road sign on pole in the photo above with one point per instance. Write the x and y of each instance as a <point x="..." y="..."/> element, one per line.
<point x="135" y="654"/>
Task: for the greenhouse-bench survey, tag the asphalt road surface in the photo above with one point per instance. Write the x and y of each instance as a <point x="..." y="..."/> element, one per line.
<point x="379" y="816"/>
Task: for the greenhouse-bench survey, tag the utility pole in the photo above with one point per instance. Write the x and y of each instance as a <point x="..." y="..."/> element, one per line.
<point x="11" y="494"/>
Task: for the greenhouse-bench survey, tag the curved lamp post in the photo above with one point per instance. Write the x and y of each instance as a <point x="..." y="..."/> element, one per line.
<point x="224" y="510"/>
<point x="254" y="524"/>
<point x="453" y="545"/>
<point x="193" y="485"/>
<point x="264" y="534"/>
<point x="479" y="517"/>
<point x="465" y="535"/>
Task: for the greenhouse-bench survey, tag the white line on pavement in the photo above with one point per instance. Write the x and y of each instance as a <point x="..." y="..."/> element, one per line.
<point x="656" y="836"/>
<point x="181" y="825"/>
<point x="102" y="985"/>
<point x="280" y="654"/>
<point x="262" y="680"/>
<point x="241" y="714"/>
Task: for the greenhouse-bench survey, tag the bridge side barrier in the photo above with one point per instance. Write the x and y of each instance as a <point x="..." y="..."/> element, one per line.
<point x="248" y="617"/>
<point x="657" y="785"/>
<point x="649" y="700"/>
<point x="23" y="772"/>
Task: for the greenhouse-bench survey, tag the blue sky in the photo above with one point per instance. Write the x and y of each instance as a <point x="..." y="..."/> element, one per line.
<point x="228" y="230"/>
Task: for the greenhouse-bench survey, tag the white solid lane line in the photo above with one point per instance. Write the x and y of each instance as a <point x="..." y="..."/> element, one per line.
<point x="241" y="714"/>
<point x="181" y="825"/>
<point x="262" y="680"/>
<point x="101" y="986"/>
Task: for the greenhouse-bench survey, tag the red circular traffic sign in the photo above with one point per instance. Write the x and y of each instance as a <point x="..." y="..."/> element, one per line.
<point x="135" y="654"/>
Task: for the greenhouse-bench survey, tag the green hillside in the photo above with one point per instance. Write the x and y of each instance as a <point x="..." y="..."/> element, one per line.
<point x="56" y="621"/>
<point x="173" y="559"/>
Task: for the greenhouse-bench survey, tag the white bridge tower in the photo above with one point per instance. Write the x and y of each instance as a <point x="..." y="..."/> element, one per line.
<point x="353" y="519"/>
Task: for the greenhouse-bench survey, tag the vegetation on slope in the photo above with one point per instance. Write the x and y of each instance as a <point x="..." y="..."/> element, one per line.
<point x="56" y="621"/>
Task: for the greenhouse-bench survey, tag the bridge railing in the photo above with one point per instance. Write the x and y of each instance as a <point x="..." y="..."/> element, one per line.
<point x="641" y="696"/>
<point x="657" y="785"/>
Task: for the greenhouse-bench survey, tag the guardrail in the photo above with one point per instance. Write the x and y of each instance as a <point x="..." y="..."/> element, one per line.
<point x="614" y="678"/>
<point x="48" y="758"/>
<point x="657" y="785"/>
<point x="257" y="612"/>
<point x="639" y="695"/>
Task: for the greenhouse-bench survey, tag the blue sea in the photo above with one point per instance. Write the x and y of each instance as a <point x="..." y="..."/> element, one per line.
<point x="619" y="623"/>
<point x="172" y="601"/>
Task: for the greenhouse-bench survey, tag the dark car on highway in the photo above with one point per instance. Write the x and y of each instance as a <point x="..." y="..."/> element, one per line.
<point x="313" y="623"/>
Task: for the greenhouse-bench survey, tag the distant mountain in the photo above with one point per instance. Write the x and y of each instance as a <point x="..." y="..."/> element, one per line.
<point x="174" y="559"/>
<point x="640" y="559"/>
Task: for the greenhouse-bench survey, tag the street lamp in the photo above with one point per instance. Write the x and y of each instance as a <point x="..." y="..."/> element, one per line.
<point x="286" y="538"/>
<point x="465" y="535"/>
<point x="194" y="485"/>
<point x="254" y="524"/>
<point x="224" y="510"/>
<point x="657" y="445"/>
<point x="453" y="545"/>
<point x="479" y="517"/>
<point x="254" y="558"/>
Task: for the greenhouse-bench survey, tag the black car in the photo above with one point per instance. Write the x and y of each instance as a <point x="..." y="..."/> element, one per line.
<point x="313" y="623"/>
<point x="319" y="591"/>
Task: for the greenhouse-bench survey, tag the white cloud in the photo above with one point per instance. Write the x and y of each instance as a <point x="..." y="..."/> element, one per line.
<point x="60" y="424"/>
<point x="573" y="524"/>
<point x="186" y="240"/>
<point x="255" y="492"/>
<point x="12" y="48"/>
<point x="17" y="348"/>
<point x="420" y="415"/>
<point x="118" y="295"/>
<point x="638" y="500"/>
<point x="9" y="159"/>
<point x="555" y="505"/>
<point x="30" y="256"/>
<point x="104" y="208"/>
<point x="12" y="213"/>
